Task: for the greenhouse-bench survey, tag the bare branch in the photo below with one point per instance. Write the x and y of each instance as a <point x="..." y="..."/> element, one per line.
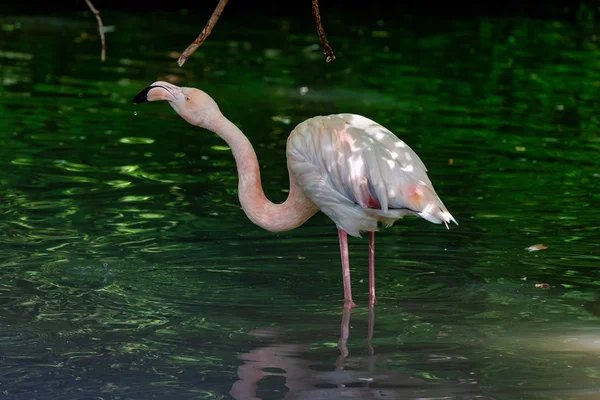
<point x="100" y="29"/>
<point x="327" y="50"/>
<point x="204" y="34"/>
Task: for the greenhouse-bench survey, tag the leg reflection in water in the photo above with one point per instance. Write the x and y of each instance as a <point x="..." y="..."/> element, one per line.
<point x="343" y="342"/>
<point x="261" y="368"/>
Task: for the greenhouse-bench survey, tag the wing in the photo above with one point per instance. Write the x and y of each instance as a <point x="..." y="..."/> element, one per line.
<point x="358" y="172"/>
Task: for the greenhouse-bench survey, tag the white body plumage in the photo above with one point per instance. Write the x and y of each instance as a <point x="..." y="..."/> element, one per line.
<point x="359" y="173"/>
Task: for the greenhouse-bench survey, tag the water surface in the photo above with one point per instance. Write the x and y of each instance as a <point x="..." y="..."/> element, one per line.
<point x="129" y="271"/>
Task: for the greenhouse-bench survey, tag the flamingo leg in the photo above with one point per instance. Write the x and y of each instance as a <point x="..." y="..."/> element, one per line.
<point x="371" y="268"/>
<point x="343" y="236"/>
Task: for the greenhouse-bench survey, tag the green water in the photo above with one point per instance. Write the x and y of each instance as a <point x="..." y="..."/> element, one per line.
<point x="129" y="271"/>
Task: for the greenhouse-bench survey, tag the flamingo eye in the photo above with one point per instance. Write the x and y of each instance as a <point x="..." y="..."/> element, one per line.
<point x="187" y="98"/>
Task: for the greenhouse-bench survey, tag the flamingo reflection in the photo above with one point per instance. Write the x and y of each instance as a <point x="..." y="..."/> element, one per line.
<point x="302" y="381"/>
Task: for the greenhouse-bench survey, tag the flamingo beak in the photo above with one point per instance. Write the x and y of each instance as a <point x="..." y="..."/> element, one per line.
<point x="142" y="96"/>
<point x="154" y="92"/>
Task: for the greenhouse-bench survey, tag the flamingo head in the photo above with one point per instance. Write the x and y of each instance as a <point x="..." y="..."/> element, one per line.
<point x="193" y="105"/>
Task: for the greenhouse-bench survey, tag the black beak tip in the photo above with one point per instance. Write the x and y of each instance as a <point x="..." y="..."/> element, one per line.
<point x="142" y="96"/>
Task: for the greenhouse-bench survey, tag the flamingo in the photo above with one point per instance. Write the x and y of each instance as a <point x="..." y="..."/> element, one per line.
<point x="349" y="167"/>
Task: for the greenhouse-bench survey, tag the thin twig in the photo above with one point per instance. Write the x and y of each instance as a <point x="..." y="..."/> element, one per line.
<point x="327" y="50"/>
<point x="204" y="34"/>
<point x="100" y="29"/>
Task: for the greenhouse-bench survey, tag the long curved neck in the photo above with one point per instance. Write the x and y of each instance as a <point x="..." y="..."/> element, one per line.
<point x="297" y="208"/>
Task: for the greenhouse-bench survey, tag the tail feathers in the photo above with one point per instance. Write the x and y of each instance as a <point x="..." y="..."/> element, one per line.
<point x="437" y="214"/>
<point x="434" y="210"/>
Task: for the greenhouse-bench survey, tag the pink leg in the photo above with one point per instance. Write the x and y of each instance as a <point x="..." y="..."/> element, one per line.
<point x="345" y="267"/>
<point x="372" y="268"/>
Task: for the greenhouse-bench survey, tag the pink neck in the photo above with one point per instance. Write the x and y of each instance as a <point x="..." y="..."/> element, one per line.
<point x="292" y="213"/>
